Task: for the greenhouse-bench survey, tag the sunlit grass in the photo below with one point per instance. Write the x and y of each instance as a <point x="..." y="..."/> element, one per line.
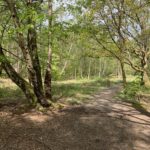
<point x="9" y="92"/>
<point x="78" y="91"/>
<point x="130" y="78"/>
<point x="71" y="91"/>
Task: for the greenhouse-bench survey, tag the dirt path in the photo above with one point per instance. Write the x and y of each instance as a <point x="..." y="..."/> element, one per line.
<point x="101" y="124"/>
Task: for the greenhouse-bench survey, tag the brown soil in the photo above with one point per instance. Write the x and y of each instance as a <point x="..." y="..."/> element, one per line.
<point x="102" y="124"/>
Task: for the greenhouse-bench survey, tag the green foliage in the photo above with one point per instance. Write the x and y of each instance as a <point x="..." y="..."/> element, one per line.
<point x="130" y="91"/>
<point x="81" y="46"/>
<point x="133" y="89"/>
<point x="131" y="94"/>
<point x="2" y="59"/>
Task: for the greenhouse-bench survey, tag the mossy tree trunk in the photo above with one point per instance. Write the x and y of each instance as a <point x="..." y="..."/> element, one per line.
<point x="30" y="53"/>
<point x="18" y="80"/>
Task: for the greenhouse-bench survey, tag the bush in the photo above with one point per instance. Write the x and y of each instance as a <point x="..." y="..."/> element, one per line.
<point x="133" y="94"/>
<point x="130" y="90"/>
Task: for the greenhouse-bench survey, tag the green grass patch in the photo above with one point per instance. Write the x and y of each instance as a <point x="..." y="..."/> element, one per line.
<point x="78" y="91"/>
<point x="71" y="91"/>
<point x="132" y="90"/>
<point x="9" y="92"/>
<point x="130" y="94"/>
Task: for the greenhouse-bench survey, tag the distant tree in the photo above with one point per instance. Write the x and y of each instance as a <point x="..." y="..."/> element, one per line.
<point x="122" y="29"/>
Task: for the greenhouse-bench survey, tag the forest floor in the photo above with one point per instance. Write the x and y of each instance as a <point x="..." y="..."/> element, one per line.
<point x="101" y="123"/>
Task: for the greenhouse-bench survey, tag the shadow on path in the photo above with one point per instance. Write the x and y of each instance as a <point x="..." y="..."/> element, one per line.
<point x="101" y="124"/>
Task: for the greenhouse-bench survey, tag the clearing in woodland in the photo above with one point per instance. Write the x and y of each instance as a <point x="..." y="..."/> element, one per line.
<point x="101" y="123"/>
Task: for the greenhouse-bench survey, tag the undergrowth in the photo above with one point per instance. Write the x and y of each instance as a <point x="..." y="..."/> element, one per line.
<point x="71" y="91"/>
<point x="130" y="94"/>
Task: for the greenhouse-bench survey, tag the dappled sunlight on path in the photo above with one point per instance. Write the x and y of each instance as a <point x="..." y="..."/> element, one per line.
<point x="101" y="124"/>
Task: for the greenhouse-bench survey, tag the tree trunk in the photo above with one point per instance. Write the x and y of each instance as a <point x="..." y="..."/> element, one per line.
<point x="18" y="62"/>
<point x="75" y="73"/>
<point x="1" y="69"/>
<point x="35" y="67"/>
<point x="146" y="79"/>
<point x="123" y="74"/>
<point x="81" y="72"/>
<point x="89" y="69"/>
<point x="100" y="68"/>
<point x="48" y="73"/>
<point x="66" y="62"/>
<point x="18" y="80"/>
<point x="104" y="68"/>
<point x="144" y="73"/>
<point x="30" y="53"/>
<point x="35" y="71"/>
<point x="48" y="80"/>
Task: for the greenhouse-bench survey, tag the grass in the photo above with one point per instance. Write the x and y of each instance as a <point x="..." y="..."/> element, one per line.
<point x="133" y="94"/>
<point x="9" y="91"/>
<point x="78" y="91"/>
<point x="71" y="91"/>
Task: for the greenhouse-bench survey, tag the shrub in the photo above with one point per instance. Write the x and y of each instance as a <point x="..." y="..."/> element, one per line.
<point x="130" y="91"/>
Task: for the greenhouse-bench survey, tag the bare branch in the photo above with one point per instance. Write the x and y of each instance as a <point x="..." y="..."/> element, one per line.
<point x="13" y="54"/>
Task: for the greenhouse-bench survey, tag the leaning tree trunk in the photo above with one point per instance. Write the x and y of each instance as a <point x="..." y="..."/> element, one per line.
<point x="18" y="80"/>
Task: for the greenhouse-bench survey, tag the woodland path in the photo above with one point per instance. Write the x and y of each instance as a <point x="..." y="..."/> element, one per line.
<point x="101" y="124"/>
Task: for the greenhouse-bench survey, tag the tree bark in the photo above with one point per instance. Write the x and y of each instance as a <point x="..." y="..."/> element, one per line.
<point x="30" y="53"/>
<point x="123" y="74"/>
<point x="146" y="79"/>
<point x="48" y="72"/>
<point x="144" y="68"/>
<point x="18" y="80"/>
<point x="100" y="68"/>
<point x="35" y="72"/>
<point x="75" y="73"/>
<point x="1" y="69"/>
<point x="89" y="69"/>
